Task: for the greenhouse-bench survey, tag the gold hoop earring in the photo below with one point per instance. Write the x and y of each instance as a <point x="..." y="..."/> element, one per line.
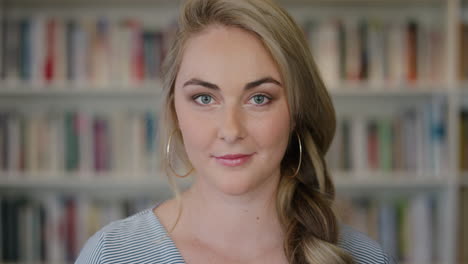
<point x="300" y="156"/>
<point x="168" y="151"/>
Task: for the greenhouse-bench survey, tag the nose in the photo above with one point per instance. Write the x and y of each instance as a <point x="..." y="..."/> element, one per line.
<point x="231" y="125"/>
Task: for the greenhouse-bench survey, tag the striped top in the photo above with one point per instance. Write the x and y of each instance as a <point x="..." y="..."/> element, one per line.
<point x="141" y="238"/>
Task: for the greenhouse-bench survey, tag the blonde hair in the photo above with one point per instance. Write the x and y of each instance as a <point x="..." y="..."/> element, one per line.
<point x="304" y="202"/>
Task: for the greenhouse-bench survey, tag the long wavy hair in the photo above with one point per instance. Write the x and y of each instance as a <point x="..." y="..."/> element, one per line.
<point x="304" y="202"/>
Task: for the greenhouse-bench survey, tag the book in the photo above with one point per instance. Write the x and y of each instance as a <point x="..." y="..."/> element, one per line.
<point x="11" y="71"/>
<point x="463" y="137"/>
<point x="412" y="30"/>
<point x="463" y="234"/>
<point x="421" y="231"/>
<point x="38" y="47"/>
<point x="463" y="59"/>
<point x="25" y="49"/>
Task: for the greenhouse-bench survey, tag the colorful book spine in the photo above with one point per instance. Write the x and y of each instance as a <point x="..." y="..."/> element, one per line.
<point x="463" y="234"/>
<point x="463" y="121"/>
<point x="412" y="139"/>
<point x="82" y="142"/>
<point x="463" y="59"/>
<point x="54" y="228"/>
<point x="58" y="50"/>
<point x="50" y="51"/>
<point x="377" y="51"/>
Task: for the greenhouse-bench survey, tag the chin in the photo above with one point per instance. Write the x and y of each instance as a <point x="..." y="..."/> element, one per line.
<point x="234" y="188"/>
<point x="232" y="184"/>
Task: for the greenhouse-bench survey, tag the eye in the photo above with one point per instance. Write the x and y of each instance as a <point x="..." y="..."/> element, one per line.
<point x="260" y="99"/>
<point x="203" y="99"/>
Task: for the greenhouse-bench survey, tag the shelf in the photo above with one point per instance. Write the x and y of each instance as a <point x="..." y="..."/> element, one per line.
<point x="382" y="90"/>
<point x="102" y="184"/>
<point x="94" y="3"/>
<point x="388" y="181"/>
<point x="145" y="96"/>
<point x="24" y="90"/>
<point x="175" y="2"/>
<point x="142" y="183"/>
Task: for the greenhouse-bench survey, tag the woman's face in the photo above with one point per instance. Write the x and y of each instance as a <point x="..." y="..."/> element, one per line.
<point x="232" y="110"/>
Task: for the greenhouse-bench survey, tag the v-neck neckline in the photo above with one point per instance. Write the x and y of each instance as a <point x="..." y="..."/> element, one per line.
<point x="166" y="232"/>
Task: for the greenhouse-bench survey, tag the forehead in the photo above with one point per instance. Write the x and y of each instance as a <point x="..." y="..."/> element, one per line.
<point x="223" y="55"/>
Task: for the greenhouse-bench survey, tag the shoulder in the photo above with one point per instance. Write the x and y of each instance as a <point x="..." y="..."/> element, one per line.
<point x="363" y="249"/>
<point x="137" y="238"/>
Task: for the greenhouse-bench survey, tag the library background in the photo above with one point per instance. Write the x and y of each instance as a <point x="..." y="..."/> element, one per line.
<point x="79" y="96"/>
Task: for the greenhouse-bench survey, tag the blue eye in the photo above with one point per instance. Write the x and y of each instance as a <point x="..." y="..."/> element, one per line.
<point x="260" y="99"/>
<point x="203" y="99"/>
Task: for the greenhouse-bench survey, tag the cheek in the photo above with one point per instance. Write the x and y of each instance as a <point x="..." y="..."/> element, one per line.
<point x="195" y="129"/>
<point x="272" y="132"/>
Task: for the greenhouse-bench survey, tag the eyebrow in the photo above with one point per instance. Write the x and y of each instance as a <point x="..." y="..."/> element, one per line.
<point x="248" y="86"/>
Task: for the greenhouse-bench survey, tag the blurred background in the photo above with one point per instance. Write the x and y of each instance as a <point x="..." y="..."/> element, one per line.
<point x="79" y="97"/>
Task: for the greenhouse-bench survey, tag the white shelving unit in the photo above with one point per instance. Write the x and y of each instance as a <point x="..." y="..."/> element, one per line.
<point x="105" y="185"/>
<point x="358" y="96"/>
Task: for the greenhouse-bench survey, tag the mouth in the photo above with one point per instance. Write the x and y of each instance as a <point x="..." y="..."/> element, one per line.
<point x="233" y="160"/>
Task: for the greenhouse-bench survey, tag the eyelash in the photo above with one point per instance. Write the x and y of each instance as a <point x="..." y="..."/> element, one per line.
<point x="269" y="99"/>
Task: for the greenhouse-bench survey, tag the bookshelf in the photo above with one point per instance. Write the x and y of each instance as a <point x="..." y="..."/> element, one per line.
<point x="463" y="147"/>
<point x="103" y="186"/>
<point x="373" y="96"/>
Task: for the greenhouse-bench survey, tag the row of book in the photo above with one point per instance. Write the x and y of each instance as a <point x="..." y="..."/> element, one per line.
<point x="53" y="229"/>
<point x="413" y="139"/>
<point x="104" y="52"/>
<point x="44" y="50"/>
<point x="378" y="51"/>
<point x="464" y="140"/>
<point x="406" y="227"/>
<point x="78" y="141"/>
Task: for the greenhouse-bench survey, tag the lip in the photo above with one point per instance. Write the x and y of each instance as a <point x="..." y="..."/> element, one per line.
<point x="233" y="160"/>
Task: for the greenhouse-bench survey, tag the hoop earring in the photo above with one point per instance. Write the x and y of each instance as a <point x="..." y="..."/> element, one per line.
<point x="168" y="151"/>
<point x="300" y="156"/>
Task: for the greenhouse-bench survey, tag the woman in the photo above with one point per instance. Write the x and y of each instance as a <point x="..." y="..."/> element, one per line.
<point x="247" y="115"/>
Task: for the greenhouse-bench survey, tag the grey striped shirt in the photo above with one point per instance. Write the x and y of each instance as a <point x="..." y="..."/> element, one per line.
<point x="142" y="238"/>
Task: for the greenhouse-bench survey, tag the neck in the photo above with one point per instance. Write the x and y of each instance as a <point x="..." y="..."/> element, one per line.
<point x="246" y="221"/>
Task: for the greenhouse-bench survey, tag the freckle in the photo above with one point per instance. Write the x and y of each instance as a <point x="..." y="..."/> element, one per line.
<point x="258" y="218"/>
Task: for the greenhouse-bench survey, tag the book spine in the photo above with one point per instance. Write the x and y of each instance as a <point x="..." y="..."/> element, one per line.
<point x="372" y="145"/>
<point x="12" y="51"/>
<point x="49" y="66"/>
<point x="463" y="59"/>
<point x="70" y="52"/>
<point x="25" y="50"/>
<point x="412" y="46"/>
<point x="3" y="36"/>
<point x="38" y="50"/>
